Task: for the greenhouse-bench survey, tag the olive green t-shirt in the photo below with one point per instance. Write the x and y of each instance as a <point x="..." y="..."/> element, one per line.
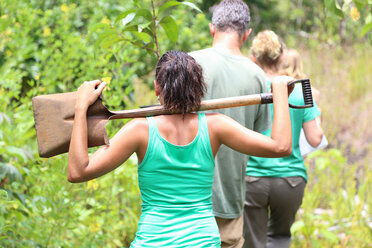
<point x="226" y="76"/>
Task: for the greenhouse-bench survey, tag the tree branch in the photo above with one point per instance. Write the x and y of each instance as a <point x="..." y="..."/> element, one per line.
<point x="155" y="35"/>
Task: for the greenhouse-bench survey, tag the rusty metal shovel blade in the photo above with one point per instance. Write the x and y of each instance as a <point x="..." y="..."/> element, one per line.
<point x="54" y="118"/>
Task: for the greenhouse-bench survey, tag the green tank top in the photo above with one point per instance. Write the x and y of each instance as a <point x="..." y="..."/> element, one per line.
<point x="176" y="190"/>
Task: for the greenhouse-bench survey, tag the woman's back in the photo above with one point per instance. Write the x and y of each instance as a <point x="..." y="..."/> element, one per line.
<point x="175" y="153"/>
<point x="291" y="165"/>
<point x="176" y="186"/>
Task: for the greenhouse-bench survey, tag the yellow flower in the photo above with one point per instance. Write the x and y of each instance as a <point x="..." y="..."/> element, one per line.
<point x="37" y="77"/>
<point x="354" y="13"/>
<point x="94" y="227"/>
<point x="92" y="184"/>
<point x="106" y="79"/>
<point x="64" y="8"/>
<point x="4" y="16"/>
<point x="8" y="53"/>
<point x="8" y="32"/>
<point x="15" y="206"/>
<point x="105" y="20"/>
<point x="47" y="31"/>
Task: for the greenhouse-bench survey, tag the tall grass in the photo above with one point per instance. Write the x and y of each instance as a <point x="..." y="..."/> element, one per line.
<point x="336" y="209"/>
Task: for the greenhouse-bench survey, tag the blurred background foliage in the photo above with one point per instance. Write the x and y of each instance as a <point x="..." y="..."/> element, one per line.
<point x="52" y="46"/>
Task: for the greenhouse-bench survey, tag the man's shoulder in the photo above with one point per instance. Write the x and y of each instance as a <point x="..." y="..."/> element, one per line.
<point x="203" y="53"/>
<point x="210" y="57"/>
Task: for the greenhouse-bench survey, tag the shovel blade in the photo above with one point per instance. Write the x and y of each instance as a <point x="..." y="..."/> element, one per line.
<point x="54" y="118"/>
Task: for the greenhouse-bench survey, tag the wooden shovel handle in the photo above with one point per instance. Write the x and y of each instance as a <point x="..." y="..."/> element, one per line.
<point x="220" y="103"/>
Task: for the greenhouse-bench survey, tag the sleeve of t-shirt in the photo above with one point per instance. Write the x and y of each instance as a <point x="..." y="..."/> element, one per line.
<point x="311" y="113"/>
<point x="263" y="119"/>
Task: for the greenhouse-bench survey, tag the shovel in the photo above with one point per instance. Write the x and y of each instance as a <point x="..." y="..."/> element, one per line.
<point x="54" y="116"/>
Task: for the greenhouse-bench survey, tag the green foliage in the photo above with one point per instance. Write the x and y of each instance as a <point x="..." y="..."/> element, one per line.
<point x="339" y="218"/>
<point x="50" y="47"/>
<point x="140" y="27"/>
<point x="356" y="8"/>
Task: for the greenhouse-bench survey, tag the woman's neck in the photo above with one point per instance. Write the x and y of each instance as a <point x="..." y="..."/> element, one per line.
<point x="271" y="72"/>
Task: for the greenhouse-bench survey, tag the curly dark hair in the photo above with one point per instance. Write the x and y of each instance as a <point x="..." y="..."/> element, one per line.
<point x="181" y="81"/>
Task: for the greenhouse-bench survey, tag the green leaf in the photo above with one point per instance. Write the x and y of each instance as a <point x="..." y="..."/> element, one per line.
<point x="4" y="118"/>
<point x="3" y="195"/>
<point x="332" y="8"/>
<point x="149" y="31"/>
<point x="107" y="34"/>
<point x="143" y="26"/>
<point x="97" y="26"/>
<point x="150" y="45"/>
<point x="329" y="236"/>
<point x="191" y="5"/>
<point x="176" y="3"/>
<point x="11" y="171"/>
<point x="170" y="27"/>
<point x="168" y="5"/>
<point x="369" y="18"/>
<point x="366" y="28"/>
<point x="360" y="4"/>
<point x="143" y="36"/>
<point x="297" y="226"/>
<point x="110" y="42"/>
<point x="124" y="14"/>
<point x="131" y="28"/>
<point x="15" y="151"/>
<point x="136" y="2"/>
<point x="145" y="13"/>
<point x="128" y="18"/>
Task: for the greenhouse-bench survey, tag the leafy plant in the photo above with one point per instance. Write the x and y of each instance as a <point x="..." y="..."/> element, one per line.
<point x="139" y="26"/>
<point x="352" y="9"/>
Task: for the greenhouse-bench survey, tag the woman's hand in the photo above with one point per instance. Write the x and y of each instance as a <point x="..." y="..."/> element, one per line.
<point x="88" y="93"/>
<point x="282" y="81"/>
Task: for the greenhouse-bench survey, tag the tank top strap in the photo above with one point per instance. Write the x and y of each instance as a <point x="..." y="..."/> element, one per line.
<point x="152" y="131"/>
<point x="204" y="134"/>
<point x="203" y="125"/>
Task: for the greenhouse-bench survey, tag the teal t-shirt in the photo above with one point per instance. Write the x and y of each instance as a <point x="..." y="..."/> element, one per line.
<point x="227" y="75"/>
<point x="176" y="190"/>
<point x="292" y="165"/>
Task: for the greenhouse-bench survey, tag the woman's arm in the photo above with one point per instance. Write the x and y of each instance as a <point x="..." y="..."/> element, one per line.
<point x="226" y="131"/>
<point x="313" y="131"/>
<point x="81" y="167"/>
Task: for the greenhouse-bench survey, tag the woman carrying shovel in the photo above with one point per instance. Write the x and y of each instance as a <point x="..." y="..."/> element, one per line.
<point x="175" y="153"/>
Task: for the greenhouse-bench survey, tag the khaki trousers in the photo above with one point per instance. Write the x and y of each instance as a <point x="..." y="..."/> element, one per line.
<point x="231" y="232"/>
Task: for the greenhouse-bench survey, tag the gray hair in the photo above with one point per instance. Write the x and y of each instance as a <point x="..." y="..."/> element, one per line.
<point x="231" y="15"/>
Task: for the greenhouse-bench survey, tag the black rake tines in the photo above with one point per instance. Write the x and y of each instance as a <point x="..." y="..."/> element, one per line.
<point x="306" y="90"/>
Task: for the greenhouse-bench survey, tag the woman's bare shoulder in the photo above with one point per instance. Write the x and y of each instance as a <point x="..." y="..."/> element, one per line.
<point x="136" y="126"/>
<point x="217" y="118"/>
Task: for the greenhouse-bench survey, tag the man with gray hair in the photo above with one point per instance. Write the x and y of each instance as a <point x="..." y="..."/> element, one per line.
<point x="228" y="72"/>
